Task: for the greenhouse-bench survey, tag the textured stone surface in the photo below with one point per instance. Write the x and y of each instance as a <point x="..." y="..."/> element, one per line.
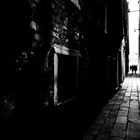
<point x="119" y="130"/>
<point x="119" y="119"/>
<point x="133" y="130"/>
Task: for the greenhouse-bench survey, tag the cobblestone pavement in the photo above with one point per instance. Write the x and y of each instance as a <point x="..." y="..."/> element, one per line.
<point x="120" y="118"/>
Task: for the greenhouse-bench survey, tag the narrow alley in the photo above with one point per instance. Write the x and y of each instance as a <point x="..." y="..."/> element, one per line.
<point x="120" y="118"/>
<point x="63" y="63"/>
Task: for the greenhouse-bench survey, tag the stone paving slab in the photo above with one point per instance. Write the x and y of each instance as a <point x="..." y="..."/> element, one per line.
<point x="123" y="113"/>
<point x="89" y="137"/>
<point x="127" y="94"/>
<point x="128" y="138"/>
<point x="120" y="118"/>
<point x="116" y="138"/>
<point x="133" y="130"/>
<point x="124" y="108"/>
<point x="119" y="130"/>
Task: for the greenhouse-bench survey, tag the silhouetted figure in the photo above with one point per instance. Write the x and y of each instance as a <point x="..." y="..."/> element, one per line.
<point x="135" y="68"/>
<point x="132" y="68"/>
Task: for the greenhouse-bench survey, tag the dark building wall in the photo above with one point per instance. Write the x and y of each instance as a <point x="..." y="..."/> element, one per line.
<point x="15" y="36"/>
<point x="29" y="28"/>
<point x="117" y="31"/>
<point x="29" y="61"/>
<point x="107" y="25"/>
<point x="102" y="26"/>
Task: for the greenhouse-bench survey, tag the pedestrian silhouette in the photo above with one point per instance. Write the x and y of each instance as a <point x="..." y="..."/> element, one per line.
<point x="132" y="68"/>
<point x="135" y="68"/>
